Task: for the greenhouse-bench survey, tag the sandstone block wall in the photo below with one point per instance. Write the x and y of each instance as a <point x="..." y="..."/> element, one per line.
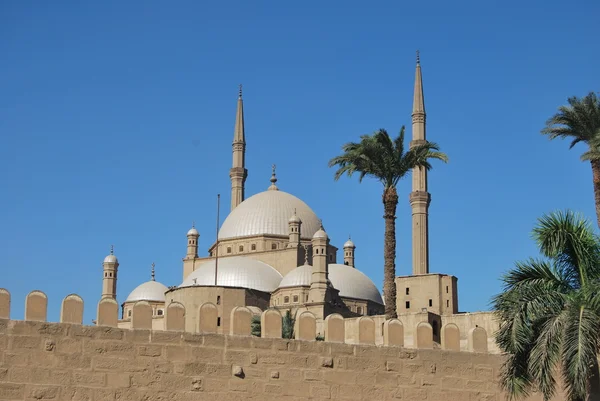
<point x="59" y="361"/>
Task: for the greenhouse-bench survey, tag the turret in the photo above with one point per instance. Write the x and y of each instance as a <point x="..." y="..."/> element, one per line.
<point x="349" y="248"/>
<point x="294" y="224"/>
<point x="109" y="281"/>
<point x="192" y="243"/>
<point x="320" y="267"/>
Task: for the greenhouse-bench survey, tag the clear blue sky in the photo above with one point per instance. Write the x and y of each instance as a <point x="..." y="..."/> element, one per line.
<point x="116" y="122"/>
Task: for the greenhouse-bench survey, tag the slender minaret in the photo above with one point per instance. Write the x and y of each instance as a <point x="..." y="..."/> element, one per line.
<point x="419" y="197"/>
<point x="238" y="172"/>
<point x="110" y="268"/>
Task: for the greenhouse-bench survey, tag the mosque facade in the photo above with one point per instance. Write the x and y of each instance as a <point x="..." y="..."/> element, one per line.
<point x="272" y="251"/>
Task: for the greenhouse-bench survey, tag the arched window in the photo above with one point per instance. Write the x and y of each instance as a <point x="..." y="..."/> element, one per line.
<point x="129" y="313"/>
<point x="159" y="312"/>
<point x="228" y="249"/>
<point x="295" y="299"/>
<point x="253" y="247"/>
<point x="218" y="300"/>
<point x="359" y="310"/>
<point x="286" y="300"/>
<point x="273" y="245"/>
<point x="241" y="248"/>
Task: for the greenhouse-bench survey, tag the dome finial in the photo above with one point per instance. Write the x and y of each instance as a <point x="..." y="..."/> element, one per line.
<point x="193" y="224"/>
<point x="273" y="179"/>
<point x="240" y="92"/>
<point x="112" y="249"/>
<point x="418" y="58"/>
<point x="152" y="274"/>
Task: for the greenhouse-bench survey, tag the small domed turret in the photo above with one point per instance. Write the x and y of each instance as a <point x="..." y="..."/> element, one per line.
<point x="349" y="248"/>
<point x="192" y="242"/>
<point x="109" y="280"/>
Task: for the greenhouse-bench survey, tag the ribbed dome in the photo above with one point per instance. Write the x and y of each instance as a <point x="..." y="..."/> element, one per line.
<point x="349" y="244"/>
<point x="236" y="271"/>
<point x="268" y="212"/>
<point x="298" y="277"/>
<point x="148" y="291"/>
<point x="350" y="282"/>
<point x="192" y="231"/>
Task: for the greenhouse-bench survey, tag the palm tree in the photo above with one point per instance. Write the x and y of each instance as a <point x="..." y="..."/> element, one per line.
<point x="380" y="157"/>
<point x="580" y="121"/>
<point x="549" y="313"/>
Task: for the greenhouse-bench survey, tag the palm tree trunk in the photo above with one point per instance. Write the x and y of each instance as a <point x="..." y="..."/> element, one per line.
<point x="596" y="178"/>
<point x="390" y="201"/>
<point x="594" y="384"/>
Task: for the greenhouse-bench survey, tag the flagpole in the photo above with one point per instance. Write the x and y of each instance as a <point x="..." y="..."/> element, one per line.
<point x="217" y="240"/>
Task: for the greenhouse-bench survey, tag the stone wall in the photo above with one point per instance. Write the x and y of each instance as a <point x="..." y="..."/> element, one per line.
<point x="69" y="361"/>
<point x="60" y="361"/>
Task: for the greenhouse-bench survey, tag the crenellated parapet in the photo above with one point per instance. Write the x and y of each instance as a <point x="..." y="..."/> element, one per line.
<point x="365" y="330"/>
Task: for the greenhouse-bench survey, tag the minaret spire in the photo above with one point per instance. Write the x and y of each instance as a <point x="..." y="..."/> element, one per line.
<point x="419" y="197"/>
<point x="152" y="275"/>
<point x="238" y="172"/>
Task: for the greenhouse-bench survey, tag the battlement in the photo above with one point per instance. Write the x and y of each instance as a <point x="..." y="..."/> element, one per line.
<point x="335" y="329"/>
<point x="70" y="361"/>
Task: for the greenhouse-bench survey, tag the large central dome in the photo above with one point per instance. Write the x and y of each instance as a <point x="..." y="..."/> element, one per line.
<point x="268" y="213"/>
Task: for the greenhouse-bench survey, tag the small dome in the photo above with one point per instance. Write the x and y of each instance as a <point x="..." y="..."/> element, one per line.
<point x="349" y="244"/>
<point x="294" y="219"/>
<point x="193" y="231"/>
<point x="235" y="271"/>
<point x="148" y="291"/>
<point x="350" y="282"/>
<point x="320" y="234"/>
<point x="111" y="259"/>
<point x="298" y="277"/>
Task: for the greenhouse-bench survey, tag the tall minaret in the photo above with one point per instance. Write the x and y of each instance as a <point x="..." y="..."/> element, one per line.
<point x="238" y="172"/>
<point x="419" y="197"/>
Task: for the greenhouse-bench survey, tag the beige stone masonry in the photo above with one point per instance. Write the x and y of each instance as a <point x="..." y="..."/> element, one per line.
<point x="141" y="317"/>
<point x="175" y="317"/>
<point x="424" y="335"/>
<point x="306" y="326"/>
<point x="108" y="312"/>
<point x="240" y="321"/>
<point x="335" y="328"/>
<point x="451" y="337"/>
<point x="366" y="330"/>
<point x="207" y="318"/>
<point x="393" y="333"/>
<point x="271" y="324"/>
<point x="478" y="340"/>
<point x="71" y="310"/>
<point x="58" y="361"/>
<point x="36" y="306"/>
<point x="4" y="304"/>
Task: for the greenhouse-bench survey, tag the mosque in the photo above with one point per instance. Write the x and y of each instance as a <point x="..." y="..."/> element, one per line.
<point x="272" y="251"/>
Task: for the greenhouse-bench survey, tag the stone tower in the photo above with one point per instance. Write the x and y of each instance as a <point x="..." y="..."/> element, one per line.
<point x="419" y="197"/>
<point x="238" y="172"/>
<point x="109" y="281"/>
<point x="320" y="268"/>
<point x="192" y="243"/>
<point x="349" y="248"/>
<point x="295" y="227"/>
